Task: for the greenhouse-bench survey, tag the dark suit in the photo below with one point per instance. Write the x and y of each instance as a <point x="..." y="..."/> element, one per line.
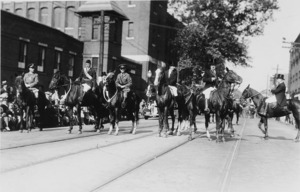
<point x="207" y="78"/>
<point x="172" y="78"/>
<point x="279" y="92"/>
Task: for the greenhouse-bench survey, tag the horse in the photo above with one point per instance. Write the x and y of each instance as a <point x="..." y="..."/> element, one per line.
<point x="292" y="104"/>
<point x="114" y="98"/>
<point x="219" y="104"/>
<point x="235" y="109"/>
<point x="187" y="110"/>
<point x="27" y="101"/>
<point x="76" y="97"/>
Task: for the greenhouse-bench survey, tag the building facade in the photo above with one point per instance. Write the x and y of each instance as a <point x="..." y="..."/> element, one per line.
<point x="143" y="40"/>
<point x="24" y="41"/>
<point x="294" y="69"/>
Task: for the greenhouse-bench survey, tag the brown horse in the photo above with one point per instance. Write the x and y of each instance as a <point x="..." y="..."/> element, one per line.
<point x="114" y="98"/>
<point x="77" y="98"/>
<point x="219" y="103"/>
<point x="258" y="98"/>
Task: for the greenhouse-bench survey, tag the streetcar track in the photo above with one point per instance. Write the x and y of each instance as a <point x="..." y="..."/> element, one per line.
<point x="58" y="140"/>
<point x="109" y="181"/>
<point x="225" y="179"/>
<point x="75" y="153"/>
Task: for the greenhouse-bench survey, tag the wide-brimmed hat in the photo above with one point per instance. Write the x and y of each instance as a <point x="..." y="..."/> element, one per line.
<point x="280" y="76"/>
<point x="31" y="65"/>
<point x="3" y="83"/>
<point x="123" y="66"/>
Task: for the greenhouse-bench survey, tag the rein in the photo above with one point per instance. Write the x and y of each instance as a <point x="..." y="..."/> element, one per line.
<point x="109" y="99"/>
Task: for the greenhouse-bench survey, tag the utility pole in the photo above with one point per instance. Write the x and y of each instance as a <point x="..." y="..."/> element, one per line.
<point x="101" y="42"/>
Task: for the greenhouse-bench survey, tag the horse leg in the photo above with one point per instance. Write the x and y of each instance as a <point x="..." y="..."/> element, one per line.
<point x="160" y="121"/>
<point x="111" y="121"/>
<point x="260" y="123"/>
<point x="179" y="126"/>
<point x="192" y="123"/>
<point x="207" y="116"/>
<point x="218" y="125"/>
<point x="171" y="131"/>
<point x="117" y="115"/>
<point x="166" y="124"/>
<point x="79" y="118"/>
<point x="266" y="128"/>
<point x="71" y="117"/>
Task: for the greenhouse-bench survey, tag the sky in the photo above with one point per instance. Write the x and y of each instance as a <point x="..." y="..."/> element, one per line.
<point x="267" y="50"/>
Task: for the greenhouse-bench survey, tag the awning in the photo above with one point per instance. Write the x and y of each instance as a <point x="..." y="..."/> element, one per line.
<point x="101" y="5"/>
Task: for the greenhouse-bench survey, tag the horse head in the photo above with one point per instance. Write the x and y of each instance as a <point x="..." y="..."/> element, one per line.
<point x="232" y="77"/>
<point x="19" y="84"/>
<point x="110" y="79"/>
<point x="159" y="77"/>
<point x="57" y="80"/>
<point x="247" y="93"/>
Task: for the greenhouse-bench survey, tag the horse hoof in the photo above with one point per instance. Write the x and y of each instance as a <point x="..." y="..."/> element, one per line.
<point x="41" y="129"/>
<point x="159" y="135"/>
<point x="109" y="133"/>
<point x="178" y="134"/>
<point x="296" y="140"/>
<point x="165" y="135"/>
<point x="116" y="134"/>
<point x="133" y="132"/>
<point x="190" y="138"/>
<point x="266" y="137"/>
<point x="79" y="132"/>
<point x="209" y="139"/>
<point x="69" y="131"/>
<point x="98" y="131"/>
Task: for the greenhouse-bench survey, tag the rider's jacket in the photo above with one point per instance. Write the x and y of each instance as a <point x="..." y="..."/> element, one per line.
<point x="171" y="76"/>
<point x="124" y="79"/>
<point x="207" y="78"/>
<point x="279" y="92"/>
<point x="88" y="76"/>
<point x="31" y="79"/>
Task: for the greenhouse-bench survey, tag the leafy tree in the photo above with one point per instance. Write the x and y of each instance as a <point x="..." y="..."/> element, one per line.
<point x="216" y="31"/>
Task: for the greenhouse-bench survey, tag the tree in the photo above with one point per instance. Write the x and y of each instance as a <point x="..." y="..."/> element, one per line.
<point x="216" y="31"/>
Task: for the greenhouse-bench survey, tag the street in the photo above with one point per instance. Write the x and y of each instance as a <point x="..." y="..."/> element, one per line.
<point x="53" y="160"/>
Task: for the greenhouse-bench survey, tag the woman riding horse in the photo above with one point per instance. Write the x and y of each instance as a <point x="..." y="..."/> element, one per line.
<point x="76" y="97"/>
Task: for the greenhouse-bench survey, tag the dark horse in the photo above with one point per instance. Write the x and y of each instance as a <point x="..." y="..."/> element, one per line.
<point x="114" y="98"/>
<point x="77" y="98"/>
<point x="257" y="98"/>
<point x="236" y="109"/>
<point x="27" y="101"/>
<point x="219" y="103"/>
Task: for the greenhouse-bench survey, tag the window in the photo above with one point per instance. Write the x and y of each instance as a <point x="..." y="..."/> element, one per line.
<point x="94" y="63"/>
<point x="44" y="15"/>
<point x="70" y="17"/>
<point x="23" y="54"/>
<point x="57" y="61"/>
<point x="130" y="29"/>
<point x="19" y="12"/>
<point x="31" y="14"/>
<point x="42" y="59"/>
<point x="57" y="18"/>
<point x="95" y="32"/>
<point x="71" y="65"/>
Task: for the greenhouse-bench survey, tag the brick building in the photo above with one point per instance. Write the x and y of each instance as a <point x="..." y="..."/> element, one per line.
<point x="24" y="41"/>
<point x="144" y="38"/>
<point x="294" y="69"/>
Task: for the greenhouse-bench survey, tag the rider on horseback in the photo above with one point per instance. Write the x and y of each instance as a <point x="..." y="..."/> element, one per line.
<point x="210" y="78"/>
<point x="31" y="80"/>
<point x="171" y="78"/>
<point x="124" y="82"/>
<point x="87" y="77"/>
<point x="279" y="92"/>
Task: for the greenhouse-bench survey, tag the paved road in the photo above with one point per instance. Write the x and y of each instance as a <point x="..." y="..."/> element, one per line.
<point x="144" y="162"/>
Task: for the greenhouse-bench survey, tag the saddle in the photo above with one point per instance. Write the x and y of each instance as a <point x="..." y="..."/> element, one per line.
<point x="272" y="109"/>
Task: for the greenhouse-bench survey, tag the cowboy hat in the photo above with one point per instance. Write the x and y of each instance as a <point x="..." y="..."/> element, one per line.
<point x="280" y="76"/>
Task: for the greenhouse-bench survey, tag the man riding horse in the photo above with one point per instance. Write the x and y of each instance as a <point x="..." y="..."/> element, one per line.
<point x="211" y="80"/>
<point x="124" y="82"/>
<point x="31" y="80"/>
<point x="281" y="102"/>
<point x="171" y="78"/>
